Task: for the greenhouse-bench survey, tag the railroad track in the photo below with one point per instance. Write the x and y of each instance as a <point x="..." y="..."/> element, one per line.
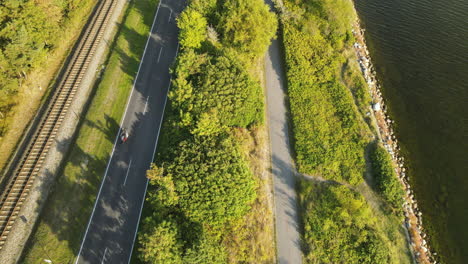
<point x="32" y="159"/>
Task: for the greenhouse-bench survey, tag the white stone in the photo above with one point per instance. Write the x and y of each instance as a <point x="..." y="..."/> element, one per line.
<point x="376" y="107"/>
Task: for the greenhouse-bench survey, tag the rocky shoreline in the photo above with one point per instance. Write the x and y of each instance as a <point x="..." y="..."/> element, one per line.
<point x="413" y="217"/>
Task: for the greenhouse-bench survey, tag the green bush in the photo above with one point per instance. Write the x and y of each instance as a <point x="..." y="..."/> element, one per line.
<point x="339" y="226"/>
<point x="247" y="26"/>
<point x="161" y="242"/>
<point x="219" y="84"/>
<point x="192" y="26"/>
<point x="210" y="179"/>
<point x="206" y="7"/>
<point x="386" y="179"/>
<point x="328" y="133"/>
<point x="206" y="250"/>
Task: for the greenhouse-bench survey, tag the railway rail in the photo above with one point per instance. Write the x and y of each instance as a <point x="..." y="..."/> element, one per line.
<point x="32" y="159"/>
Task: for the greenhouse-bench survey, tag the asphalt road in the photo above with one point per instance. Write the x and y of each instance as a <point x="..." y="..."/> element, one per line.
<point x="284" y="177"/>
<point x="114" y="222"/>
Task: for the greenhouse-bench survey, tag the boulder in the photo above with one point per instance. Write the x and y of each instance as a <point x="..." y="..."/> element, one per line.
<point x="376" y="107"/>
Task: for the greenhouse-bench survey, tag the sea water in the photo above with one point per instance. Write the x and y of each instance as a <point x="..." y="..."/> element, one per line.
<point x="420" y="50"/>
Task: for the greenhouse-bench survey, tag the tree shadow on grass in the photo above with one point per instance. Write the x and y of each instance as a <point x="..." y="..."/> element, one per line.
<point x="108" y="128"/>
<point x="59" y="214"/>
<point x="70" y="202"/>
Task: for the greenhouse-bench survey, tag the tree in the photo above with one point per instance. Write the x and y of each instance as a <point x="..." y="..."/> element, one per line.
<point x="161" y="243"/>
<point x="211" y="179"/>
<point x="247" y="25"/>
<point x="192" y="26"/>
<point x="202" y="179"/>
<point x="29" y="32"/>
<point x="221" y="85"/>
<point x="165" y="194"/>
<point x="206" y="7"/>
<point x="209" y="124"/>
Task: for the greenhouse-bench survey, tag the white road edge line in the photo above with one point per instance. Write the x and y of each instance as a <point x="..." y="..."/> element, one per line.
<point x="117" y="136"/>
<point x="146" y="104"/>
<point x="104" y="256"/>
<point x="170" y="15"/>
<point x="152" y="158"/>
<point x="177" y="52"/>
<point x="128" y="170"/>
<point x="159" y="56"/>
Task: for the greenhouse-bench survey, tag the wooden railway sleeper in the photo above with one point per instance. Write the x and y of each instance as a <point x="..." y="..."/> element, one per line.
<point x="32" y="153"/>
<point x="31" y="161"/>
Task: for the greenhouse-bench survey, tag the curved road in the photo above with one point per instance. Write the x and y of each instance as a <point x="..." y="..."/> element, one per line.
<point x="288" y="246"/>
<point x="113" y="224"/>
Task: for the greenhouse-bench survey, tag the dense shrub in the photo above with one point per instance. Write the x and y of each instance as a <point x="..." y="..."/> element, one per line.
<point x="206" y="250"/>
<point x="210" y="181"/>
<point x="339" y="226"/>
<point x="328" y="133"/>
<point x="247" y="25"/>
<point x="192" y="26"/>
<point x="219" y="84"/>
<point x="206" y="7"/>
<point x="386" y="179"/>
<point x="202" y="182"/>
<point x="161" y="242"/>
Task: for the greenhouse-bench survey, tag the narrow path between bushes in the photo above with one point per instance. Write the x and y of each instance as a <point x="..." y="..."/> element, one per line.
<point x="284" y="176"/>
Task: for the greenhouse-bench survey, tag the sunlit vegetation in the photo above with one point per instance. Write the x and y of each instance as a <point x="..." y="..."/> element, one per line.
<point x="208" y="181"/>
<point x="386" y="179"/>
<point x="329" y="137"/>
<point x="202" y="185"/>
<point x="29" y="33"/>
<point x="332" y="140"/>
<point x="220" y="85"/>
<point x="340" y="226"/>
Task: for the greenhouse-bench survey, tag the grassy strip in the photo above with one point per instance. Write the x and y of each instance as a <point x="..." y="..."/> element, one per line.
<point x="388" y="225"/>
<point x="253" y="241"/>
<point x="61" y="226"/>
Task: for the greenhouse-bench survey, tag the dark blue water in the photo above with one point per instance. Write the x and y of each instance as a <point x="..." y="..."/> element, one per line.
<point x="420" y="50"/>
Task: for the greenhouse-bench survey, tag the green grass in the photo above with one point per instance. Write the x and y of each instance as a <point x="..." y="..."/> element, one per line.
<point x="389" y="225"/>
<point x="334" y="221"/>
<point x="66" y="214"/>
